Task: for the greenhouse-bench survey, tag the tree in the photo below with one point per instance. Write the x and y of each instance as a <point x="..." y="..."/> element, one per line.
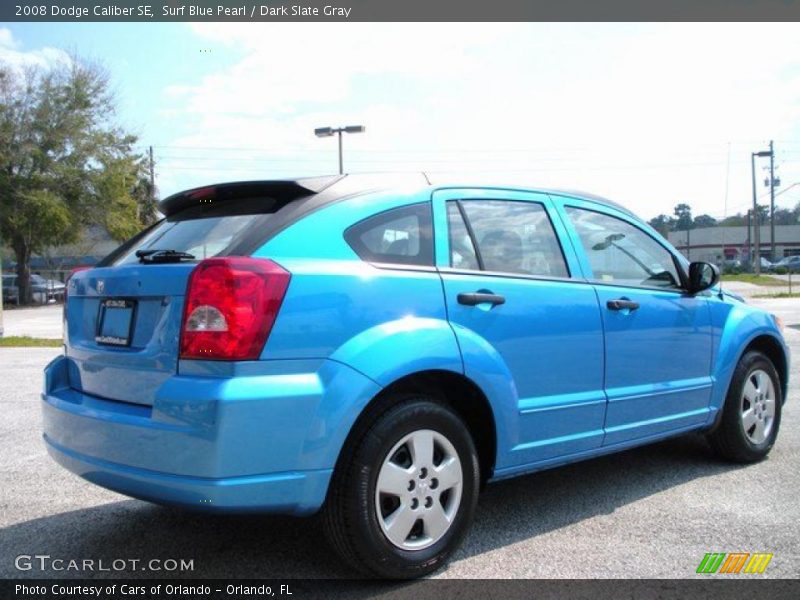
<point x="787" y="216"/>
<point x="663" y="224"/>
<point x="64" y="164"/>
<point x="683" y="217"/>
<point x="737" y="220"/>
<point x="704" y="221"/>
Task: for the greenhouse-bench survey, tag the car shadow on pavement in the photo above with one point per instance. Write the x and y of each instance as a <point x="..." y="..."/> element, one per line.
<point x="256" y="546"/>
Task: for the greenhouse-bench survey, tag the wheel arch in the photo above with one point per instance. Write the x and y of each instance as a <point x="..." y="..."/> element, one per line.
<point x="773" y="349"/>
<point x="451" y="388"/>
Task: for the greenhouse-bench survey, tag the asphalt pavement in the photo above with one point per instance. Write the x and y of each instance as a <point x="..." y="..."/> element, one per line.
<point x="649" y="512"/>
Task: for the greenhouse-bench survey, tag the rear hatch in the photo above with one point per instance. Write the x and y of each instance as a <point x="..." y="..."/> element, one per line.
<point x="123" y="318"/>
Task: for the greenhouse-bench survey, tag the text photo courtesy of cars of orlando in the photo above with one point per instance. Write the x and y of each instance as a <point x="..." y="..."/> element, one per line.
<point x="393" y="356"/>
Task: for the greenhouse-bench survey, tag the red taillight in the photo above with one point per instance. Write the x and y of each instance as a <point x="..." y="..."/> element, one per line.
<point x="231" y="305"/>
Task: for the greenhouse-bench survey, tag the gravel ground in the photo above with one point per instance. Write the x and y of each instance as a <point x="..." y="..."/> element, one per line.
<point x="650" y="512"/>
<point x="35" y="321"/>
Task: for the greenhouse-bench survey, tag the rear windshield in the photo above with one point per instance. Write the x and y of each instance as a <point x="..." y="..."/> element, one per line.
<point x="202" y="232"/>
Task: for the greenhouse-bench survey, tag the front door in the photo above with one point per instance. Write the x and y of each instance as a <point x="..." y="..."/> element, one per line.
<point x="658" y="338"/>
<point x="510" y="296"/>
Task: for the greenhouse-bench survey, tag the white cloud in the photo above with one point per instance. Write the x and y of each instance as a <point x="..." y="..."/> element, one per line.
<point x="12" y="55"/>
<point x="640" y="113"/>
<point x="7" y="38"/>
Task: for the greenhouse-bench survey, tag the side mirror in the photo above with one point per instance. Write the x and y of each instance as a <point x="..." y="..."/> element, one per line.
<point x="702" y="275"/>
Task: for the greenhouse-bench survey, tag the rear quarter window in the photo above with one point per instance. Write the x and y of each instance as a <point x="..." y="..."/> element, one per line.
<point x="402" y="236"/>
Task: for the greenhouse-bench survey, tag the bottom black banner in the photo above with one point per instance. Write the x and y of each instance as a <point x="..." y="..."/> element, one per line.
<point x="439" y="589"/>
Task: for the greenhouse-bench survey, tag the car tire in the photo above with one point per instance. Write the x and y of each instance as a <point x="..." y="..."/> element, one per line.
<point x="751" y="415"/>
<point x="413" y="466"/>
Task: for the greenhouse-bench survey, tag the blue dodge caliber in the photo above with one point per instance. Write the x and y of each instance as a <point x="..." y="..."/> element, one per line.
<point x="378" y="347"/>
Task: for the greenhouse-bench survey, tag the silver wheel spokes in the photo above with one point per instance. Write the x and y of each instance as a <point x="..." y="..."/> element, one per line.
<point x="418" y="490"/>
<point x="758" y="406"/>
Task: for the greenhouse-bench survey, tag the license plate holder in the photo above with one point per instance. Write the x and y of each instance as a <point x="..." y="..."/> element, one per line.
<point x="115" y="322"/>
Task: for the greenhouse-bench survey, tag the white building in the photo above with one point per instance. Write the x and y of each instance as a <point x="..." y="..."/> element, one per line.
<point x="715" y="244"/>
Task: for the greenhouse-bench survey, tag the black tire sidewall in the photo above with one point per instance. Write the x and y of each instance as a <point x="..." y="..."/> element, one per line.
<point x="732" y="420"/>
<point x="375" y="549"/>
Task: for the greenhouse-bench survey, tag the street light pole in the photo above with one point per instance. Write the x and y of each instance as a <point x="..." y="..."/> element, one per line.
<point x="330" y="131"/>
<point x="341" y="164"/>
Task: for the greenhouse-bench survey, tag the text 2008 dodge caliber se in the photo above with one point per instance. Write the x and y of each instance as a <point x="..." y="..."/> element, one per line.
<point x="378" y="347"/>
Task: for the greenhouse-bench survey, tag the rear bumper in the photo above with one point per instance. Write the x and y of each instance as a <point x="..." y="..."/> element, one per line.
<point x="265" y="437"/>
<point x="297" y="493"/>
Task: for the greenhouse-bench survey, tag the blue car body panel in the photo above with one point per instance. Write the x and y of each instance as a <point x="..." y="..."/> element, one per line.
<point x="564" y="378"/>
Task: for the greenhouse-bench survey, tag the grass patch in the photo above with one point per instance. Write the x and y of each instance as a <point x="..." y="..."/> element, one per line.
<point x="778" y="295"/>
<point x="755" y="279"/>
<point x="23" y="341"/>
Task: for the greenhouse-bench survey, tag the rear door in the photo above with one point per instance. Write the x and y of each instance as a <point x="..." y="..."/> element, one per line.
<point x="509" y="285"/>
<point x="658" y="338"/>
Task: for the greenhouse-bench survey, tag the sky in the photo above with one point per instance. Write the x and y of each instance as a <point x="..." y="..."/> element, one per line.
<point x="650" y="115"/>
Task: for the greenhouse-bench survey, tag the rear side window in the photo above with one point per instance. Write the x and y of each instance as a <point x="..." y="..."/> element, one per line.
<point x="401" y="236"/>
<point x="462" y="250"/>
<point x="203" y="232"/>
<point x="514" y="237"/>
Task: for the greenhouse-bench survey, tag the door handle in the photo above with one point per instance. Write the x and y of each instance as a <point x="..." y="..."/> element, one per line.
<point x="622" y="304"/>
<point x="473" y="298"/>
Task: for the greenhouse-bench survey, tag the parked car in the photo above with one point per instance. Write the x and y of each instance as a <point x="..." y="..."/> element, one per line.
<point x="10" y="289"/>
<point x="42" y="290"/>
<point x="732" y="265"/>
<point x="787" y="264"/>
<point x="55" y="289"/>
<point x="378" y="348"/>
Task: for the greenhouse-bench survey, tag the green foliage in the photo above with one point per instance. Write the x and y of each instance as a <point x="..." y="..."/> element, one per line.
<point x="681" y="221"/>
<point x="704" y="221"/>
<point x="765" y="280"/>
<point x="663" y="224"/>
<point x="64" y="164"/>
<point x="23" y="341"/>
<point x="683" y="217"/>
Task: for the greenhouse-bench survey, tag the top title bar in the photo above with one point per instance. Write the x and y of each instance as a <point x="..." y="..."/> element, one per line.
<point x="395" y="10"/>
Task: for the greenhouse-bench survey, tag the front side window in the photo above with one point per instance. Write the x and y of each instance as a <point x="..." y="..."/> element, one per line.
<point x="622" y="254"/>
<point x="511" y="237"/>
<point x="399" y="236"/>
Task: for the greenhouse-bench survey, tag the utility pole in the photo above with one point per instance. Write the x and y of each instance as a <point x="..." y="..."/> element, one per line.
<point x="756" y="255"/>
<point x="689" y="243"/>
<point x="771" y="202"/>
<point x="152" y="182"/>
<point x="749" y="237"/>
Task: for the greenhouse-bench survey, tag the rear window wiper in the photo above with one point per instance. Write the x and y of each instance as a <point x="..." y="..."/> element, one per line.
<point x="162" y="256"/>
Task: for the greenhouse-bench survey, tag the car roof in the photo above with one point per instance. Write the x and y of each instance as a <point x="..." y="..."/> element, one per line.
<point x="327" y="189"/>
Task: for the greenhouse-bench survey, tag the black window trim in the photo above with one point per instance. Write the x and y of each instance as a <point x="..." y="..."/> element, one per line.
<point x="399" y="266"/>
<point x="470" y="231"/>
<point x="676" y="263"/>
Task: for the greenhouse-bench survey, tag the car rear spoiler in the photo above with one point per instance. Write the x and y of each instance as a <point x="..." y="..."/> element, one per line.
<point x="276" y="191"/>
